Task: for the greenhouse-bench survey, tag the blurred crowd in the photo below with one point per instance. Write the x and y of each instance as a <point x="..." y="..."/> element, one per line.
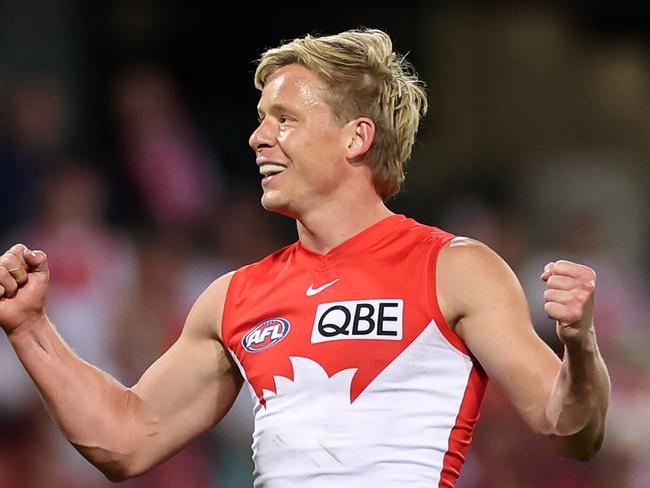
<point x="121" y="286"/>
<point x="134" y="235"/>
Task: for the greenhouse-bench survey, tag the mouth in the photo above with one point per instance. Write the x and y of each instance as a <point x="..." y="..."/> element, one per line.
<point x="271" y="169"/>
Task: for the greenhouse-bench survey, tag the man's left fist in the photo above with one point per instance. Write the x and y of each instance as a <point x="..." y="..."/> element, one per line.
<point x="569" y="298"/>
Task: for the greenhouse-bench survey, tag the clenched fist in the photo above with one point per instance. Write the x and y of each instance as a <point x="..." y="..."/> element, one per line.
<point x="24" y="277"/>
<point x="569" y="299"/>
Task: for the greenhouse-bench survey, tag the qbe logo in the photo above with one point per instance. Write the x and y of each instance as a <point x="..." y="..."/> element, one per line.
<point x="266" y="334"/>
<point x="359" y="319"/>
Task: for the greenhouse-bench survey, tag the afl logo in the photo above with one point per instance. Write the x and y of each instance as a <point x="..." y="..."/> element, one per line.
<point x="266" y="334"/>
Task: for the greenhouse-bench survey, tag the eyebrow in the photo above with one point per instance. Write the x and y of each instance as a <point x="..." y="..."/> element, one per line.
<point x="276" y="107"/>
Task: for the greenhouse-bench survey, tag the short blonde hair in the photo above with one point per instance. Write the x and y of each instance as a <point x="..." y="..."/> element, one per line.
<point x="366" y="78"/>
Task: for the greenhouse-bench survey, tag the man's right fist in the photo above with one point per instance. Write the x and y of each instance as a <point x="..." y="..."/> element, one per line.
<point x="23" y="284"/>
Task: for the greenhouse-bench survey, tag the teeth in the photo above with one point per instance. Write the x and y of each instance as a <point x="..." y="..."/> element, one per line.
<point x="271" y="169"/>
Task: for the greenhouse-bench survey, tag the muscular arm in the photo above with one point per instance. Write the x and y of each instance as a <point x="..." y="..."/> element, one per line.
<point x="564" y="400"/>
<point x="126" y="431"/>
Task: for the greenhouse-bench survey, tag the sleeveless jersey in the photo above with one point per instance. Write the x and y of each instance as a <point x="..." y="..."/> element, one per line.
<point x="357" y="381"/>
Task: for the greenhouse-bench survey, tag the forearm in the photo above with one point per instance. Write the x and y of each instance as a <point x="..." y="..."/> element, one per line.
<point x="577" y="407"/>
<point x="92" y="409"/>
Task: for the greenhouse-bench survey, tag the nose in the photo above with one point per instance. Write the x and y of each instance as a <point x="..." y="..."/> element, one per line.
<point x="263" y="136"/>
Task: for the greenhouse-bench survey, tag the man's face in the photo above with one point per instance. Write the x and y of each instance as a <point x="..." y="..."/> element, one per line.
<point x="300" y="148"/>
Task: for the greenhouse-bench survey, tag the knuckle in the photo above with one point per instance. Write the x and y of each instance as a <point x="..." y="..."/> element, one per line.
<point x="561" y="283"/>
<point x="549" y="308"/>
<point x="587" y="272"/>
<point x="9" y="261"/>
<point x="17" y="250"/>
<point x="568" y="282"/>
<point x="564" y="264"/>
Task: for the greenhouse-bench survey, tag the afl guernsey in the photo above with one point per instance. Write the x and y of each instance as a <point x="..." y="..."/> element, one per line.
<point x="357" y="381"/>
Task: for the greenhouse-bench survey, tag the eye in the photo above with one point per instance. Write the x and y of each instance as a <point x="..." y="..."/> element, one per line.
<point x="284" y="119"/>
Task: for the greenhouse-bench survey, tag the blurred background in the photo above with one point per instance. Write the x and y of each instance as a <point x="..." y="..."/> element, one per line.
<point x="123" y="154"/>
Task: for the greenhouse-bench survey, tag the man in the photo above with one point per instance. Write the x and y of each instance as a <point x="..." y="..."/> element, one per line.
<point x="367" y="344"/>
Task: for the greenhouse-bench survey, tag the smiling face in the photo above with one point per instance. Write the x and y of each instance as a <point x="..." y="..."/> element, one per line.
<point x="300" y="148"/>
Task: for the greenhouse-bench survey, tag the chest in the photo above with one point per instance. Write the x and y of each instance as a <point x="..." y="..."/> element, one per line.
<point x="344" y="317"/>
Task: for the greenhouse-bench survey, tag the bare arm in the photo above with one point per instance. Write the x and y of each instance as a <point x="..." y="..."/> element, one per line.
<point x="483" y="301"/>
<point x="123" y="431"/>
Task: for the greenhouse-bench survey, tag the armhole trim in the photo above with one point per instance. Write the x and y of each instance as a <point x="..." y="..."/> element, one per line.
<point x="227" y="307"/>
<point x="445" y="329"/>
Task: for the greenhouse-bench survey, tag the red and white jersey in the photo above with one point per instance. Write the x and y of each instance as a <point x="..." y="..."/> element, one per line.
<point x="356" y="378"/>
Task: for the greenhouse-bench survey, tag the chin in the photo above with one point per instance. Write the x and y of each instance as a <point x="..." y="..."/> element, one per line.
<point x="276" y="205"/>
<point x="271" y="203"/>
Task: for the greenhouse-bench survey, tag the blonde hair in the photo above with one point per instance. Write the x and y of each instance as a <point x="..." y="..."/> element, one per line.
<point x="366" y="78"/>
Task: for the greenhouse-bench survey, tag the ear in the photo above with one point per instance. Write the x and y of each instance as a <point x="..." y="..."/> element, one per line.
<point x="362" y="135"/>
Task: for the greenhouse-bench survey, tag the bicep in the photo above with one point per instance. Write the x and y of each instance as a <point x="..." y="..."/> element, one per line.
<point x="494" y="321"/>
<point x="188" y="389"/>
<point x="192" y="385"/>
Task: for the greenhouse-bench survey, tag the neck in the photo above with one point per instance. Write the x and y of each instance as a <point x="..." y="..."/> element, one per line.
<point x="325" y="228"/>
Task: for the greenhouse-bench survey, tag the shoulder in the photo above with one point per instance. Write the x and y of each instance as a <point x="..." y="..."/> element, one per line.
<point x="209" y="308"/>
<point x="410" y="225"/>
<point x="206" y="313"/>
<point x="409" y="233"/>
<point x="267" y="263"/>
<point x="471" y="276"/>
<point x="463" y="256"/>
<point x="254" y="274"/>
<point x="217" y="290"/>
